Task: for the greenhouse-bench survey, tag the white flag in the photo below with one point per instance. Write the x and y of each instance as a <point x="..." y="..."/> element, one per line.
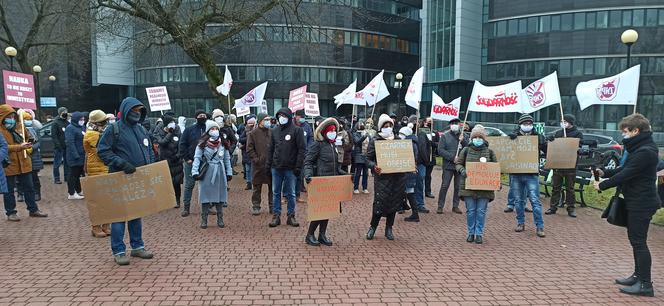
<point x="253" y="98"/>
<point x="444" y="112"/>
<point x="505" y="98"/>
<point x="225" y="88"/>
<point x="374" y="92"/>
<point x="620" y="89"/>
<point x="541" y="93"/>
<point x="347" y="96"/>
<point x="414" y="92"/>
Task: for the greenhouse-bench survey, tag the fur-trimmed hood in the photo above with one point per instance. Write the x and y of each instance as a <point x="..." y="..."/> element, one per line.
<point x="318" y="134"/>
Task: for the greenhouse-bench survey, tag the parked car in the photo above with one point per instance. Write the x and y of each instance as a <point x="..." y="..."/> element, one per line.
<point x="46" y="141"/>
<point x="595" y="146"/>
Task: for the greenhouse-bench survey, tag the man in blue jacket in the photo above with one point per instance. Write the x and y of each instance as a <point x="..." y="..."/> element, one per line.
<point x="123" y="148"/>
<point x="188" y="143"/>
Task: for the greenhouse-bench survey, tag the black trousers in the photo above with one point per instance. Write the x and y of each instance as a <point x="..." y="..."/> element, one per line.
<point x="178" y="192"/>
<point x="375" y="219"/>
<point x="74" y="181"/>
<point x="318" y="223"/>
<point x="427" y="180"/>
<point x="638" y="223"/>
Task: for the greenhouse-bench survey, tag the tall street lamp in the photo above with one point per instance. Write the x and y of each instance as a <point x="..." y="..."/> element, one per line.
<point x="52" y="81"/>
<point x="629" y="37"/>
<point x="36" y="69"/>
<point x="397" y="85"/>
<point x="11" y="53"/>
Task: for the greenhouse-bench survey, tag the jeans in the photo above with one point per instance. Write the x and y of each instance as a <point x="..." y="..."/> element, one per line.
<point x="36" y="184"/>
<point x="361" y="170"/>
<point x="427" y="180"/>
<point x="527" y="184"/>
<point x="189" y="184"/>
<point x="74" y="181"/>
<point x="25" y="181"/>
<point x="285" y="180"/>
<point x="511" y="196"/>
<point x="135" y="229"/>
<point x="247" y="172"/>
<point x="638" y="223"/>
<point x="447" y="179"/>
<point x="299" y="183"/>
<point x="419" y="185"/>
<point x="569" y="176"/>
<point x="59" y="159"/>
<point x="476" y="214"/>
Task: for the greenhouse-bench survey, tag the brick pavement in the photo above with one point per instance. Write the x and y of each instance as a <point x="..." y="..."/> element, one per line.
<point x="56" y="261"/>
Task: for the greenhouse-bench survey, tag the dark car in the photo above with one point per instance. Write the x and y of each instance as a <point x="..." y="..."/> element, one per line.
<point x="46" y="141"/>
<point x="595" y="149"/>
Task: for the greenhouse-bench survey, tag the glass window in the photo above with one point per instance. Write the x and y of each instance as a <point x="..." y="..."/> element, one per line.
<point x="615" y="20"/>
<point x="602" y="19"/>
<point x="600" y="66"/>
<point x="530" y="69"/>
<point x="590" y="20"/>
<point x="523" y="26"/>
<point x="661" y="17"/>
<point x="510" y="71"/>
<point x="532" y="24"/>
<point x="554" y="66"/>
<point x="313" y="72"/>
<point x="577" y="67"/>
<point x="589" y="67"/>
<point x="626" y="18"/>
<point x="288" y="74"/>
<point x="500" y="71"/>
<point x="567" y="22"/>
<point x="278" y="33"/>
<point x="323" y="75"/>
<point x="659" y="67"/>
<point x="545" y="24"/>
<point x="520" y="69"/>
<point x="355" y="39"/>
<point x="251" y="73"/>
<point x="512" y="27"/>
<point x="539" y="69"/>
<point x="260" y="73"/>
<point x="501" y="28"/>
<point x="347" y="38"/>
<point x="651" y="17"/>
<point x="638" y="18"/>
<point x="579" y="21"/>
<point x="555" y="23"/>
<point x="564" y="68"/>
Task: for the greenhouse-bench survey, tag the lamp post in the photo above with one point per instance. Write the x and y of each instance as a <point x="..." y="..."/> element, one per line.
<point x="629" y="37"/>
<point x="397" y="85"/>
<point x="11" y="53"/>
<point x="52" y="81"/>
<point x="36" y="69"/>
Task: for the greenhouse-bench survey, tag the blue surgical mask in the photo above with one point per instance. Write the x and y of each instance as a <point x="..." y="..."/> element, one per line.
<point x="28" y="123"/>
<point x="478" y="142"/>
<point x="10" y="123"/>
<point x="214" y="135"/>
<point x="267" y="124"/>
<point x="283" y="120"/>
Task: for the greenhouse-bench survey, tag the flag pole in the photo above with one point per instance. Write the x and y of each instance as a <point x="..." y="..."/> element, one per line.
<point x="465" y="119"/>
<point x="20" y="118"/>
<point x="562" y="118"/>
<point x="229" y="102"/>
<point x="634" y="108"/>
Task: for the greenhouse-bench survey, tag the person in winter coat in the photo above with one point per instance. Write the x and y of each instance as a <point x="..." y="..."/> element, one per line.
<point x="322" y="160"/>
<point x="286" y="159"/>
<point x="432" y="140"/>
<point x="187" y="148"/>
<point x="126" y="150"/>
<point x="448" y="146"/>
<point x="246" y="161"/>
<point x="477" y="201"/>
<point x="389" y="189"/>
<point x="93" y="164"/>
<point x="522" y="185"/>
<point x="360" y="141"/>
<point x="566" y="175"/>
<point x="347" y="144"/>
<point x="308" y="141"/>
<point x="58" y="134"/>
<point x="411" y="178"/>
<point x="258" y="149"/>
<point x="35" y="154"/>
<point x="635" y="180"/>
<point x="4" y="157"/>
<point x="421" y="161"/>
<point x="75" y="154"/>
<point x="168" y="138"/>
<point x="18" y="167"/>
<point x="212" y="188"/>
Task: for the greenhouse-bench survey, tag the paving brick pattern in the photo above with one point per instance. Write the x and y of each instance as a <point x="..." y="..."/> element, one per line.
<point x="56" y="261"/>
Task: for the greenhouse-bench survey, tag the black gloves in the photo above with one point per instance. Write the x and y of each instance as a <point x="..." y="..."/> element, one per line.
<point x="308" y="179"/>
<point x="512" y="136"/>
<point x="550" y="138"/>
<point x="229" y="178"/>
<point x="128" y="168"/>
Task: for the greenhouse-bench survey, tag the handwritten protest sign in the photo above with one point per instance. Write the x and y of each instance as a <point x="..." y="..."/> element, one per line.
<point x="483" y="176"/>
<point x="561" y="153"/>
<point x="158" y="98"/>
<point x="311" y="107"/>
<point x="520" y="155"/>
<point x="296" y="98"/>
<point x="118" y="197"/>
<point x="324" y="195"/>
<point x="395" y="156"/>
<point x="19" y="89"/>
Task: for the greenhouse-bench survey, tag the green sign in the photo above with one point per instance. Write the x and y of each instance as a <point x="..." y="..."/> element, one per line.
<point x="539" y="127"/>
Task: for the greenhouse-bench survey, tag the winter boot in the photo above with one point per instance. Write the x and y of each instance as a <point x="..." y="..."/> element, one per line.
<point x="276" y="220"/>
<point x="107" y="229"/>
<point x="291" y="221"/>
<point x="220" y="215"/>
<point x="415" y="216"/>
<point x="389" y="234"/>
<point x="321" y="235"/>
<point x="97" y="232"/>
<point x="185" y="210"/>
<point x="628" y="281"/>
<point x="205" y="208"/>
<point x="311" y="240"/>
<point x="20" y="198"/>
<point x="248" y="186"/>
<point x="639" y="288"/>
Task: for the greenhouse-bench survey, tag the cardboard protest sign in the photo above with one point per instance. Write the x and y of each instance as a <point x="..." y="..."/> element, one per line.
<point x="561" y="153"/>
<point x="19" y="89"/>
<point x="324" y="195"/>
<point x="158" y="98"/>
<point x="118" y="197"/>
<point x="395" y="156"/>
<point x="482" y="176"/>
<point x="520" y="155"/>
<point x="296" y="98"/>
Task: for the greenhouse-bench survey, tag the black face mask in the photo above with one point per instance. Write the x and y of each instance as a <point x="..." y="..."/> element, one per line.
<point x="201" y="121"/>
<point x="64" y="116"/>
<point x="133" y="117"/>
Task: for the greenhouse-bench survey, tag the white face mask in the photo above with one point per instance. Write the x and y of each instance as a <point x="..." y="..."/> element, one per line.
<point x="111" y="120"/>
<point x="454" y="128"/>
<point x="171" y="125"/>
<point x="283" y="120"/>
<point x="526" y="128"/>
<point x="387" y="130"/>
<point x="219" y="120"/>
<point x="214" y="134"/>
<point x="331" y="135"/>
<point x="81" y="122"/>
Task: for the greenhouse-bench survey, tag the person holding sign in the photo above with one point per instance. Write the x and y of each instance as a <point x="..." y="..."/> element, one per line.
<point x="124" y="146"/>
<point x="566" y="175"/>
<point x="93" y="163"/>
<point x="448" y="146"/>
<point x="389" y="189"/>
<point x="321" y="160"/>
<point x="477" y="201"/>
<point x="522" y="185"/>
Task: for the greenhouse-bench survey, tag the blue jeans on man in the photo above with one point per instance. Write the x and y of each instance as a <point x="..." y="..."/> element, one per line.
<point x="247" y="172"/>
<point x="26" y="187"/>
<point x="59" y="159"/>
<point x="419" y="186"/>
<point x="361" y="170"/>
<point x="283" y="179"/>
<point x="476" y="215"/>
<point x="526" y="186"/>
<point x="135" y="229"/>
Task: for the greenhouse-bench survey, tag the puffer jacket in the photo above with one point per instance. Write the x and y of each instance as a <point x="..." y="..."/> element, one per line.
<point x="94" y="165"/>
<point x="447" y="148"/>
<point x="389" y="189"/>
<point x="322" y="156"/>
<point x="37" y="162"/>
<point x="473" y="154"/>
<point x="287" y="145"/>
<point x="169" y="146"/>
<point x="74" y="141"/>
<point x="19" y="163"/>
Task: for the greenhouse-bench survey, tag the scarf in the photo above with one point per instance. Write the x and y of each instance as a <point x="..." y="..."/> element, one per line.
<point x="389" y="136"/>
<point x="213" y="143"/>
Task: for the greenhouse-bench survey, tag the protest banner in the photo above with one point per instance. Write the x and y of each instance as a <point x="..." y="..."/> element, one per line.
<point x="325" y="194"/>
<point x="482" y="176"/>
<point x="506" y="98"/>
<point x="561" y="153"/>
<point x="19" y="90"/>
<point x="620" y="89"/>
<point x="520" y="155"/>
<point x="541" y="93"/>
<point x="311" y="107"/>
<point x="158" y="98"/>
<point x="395" y="156"/>
<point x="444" y="112"/>
<point x="296" y="98"/>
<point x="119" y="197"/>
<point x="253" y="98"/>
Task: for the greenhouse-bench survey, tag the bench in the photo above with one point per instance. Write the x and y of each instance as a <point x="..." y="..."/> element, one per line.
<point x="582" y="180"/>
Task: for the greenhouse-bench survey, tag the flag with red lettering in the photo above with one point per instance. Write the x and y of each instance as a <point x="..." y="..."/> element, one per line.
<point x="414" y="92"/>
<point x="620" y="89"/>
<point x="444" y="112"/>
<point x="374" y="92"/>
<point x="348" y="96"/>
<point x="541" y="93"/>
<point x="506" y="98"/>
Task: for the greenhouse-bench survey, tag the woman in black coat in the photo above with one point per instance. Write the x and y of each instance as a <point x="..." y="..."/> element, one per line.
<point x="636" y="180"/>
<point x="168" y="137"/>
<point x="389" y="189"/>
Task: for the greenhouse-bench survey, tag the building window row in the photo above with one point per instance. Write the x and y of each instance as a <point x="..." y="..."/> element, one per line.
<point x="571" y="67"/>
<point x="577" y="21"/>
<point x="382" y="6"/>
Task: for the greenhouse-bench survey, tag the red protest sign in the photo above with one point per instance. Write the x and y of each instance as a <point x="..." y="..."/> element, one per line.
<point x="19" y="89"/>
<point x="296" y="98"/>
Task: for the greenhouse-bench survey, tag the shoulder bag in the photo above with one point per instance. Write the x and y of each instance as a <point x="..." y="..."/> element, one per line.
<point x="616" y="212"/>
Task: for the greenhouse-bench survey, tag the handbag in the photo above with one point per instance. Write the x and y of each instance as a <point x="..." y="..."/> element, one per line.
<point x="616" y="212"/>
<point x="202" y="168"/>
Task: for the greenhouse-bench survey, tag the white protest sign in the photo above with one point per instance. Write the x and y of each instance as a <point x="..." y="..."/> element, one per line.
<point x="311" y="107"/>
<point x="158" y="98"/>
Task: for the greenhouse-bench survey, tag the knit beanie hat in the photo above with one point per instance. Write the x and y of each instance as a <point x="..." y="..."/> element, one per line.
<point x="198" y="112"/>
<point x="262" y="116"/>
<point x="384" y="118"/>
<point x="26" y="115"/>
<point x="569" y="118"/>
<point x="62" y="110"/>
<point x="329" y="128"/>
<point x="300" y="113"/>
<point x="168" y="119"/>
<point x="406" y="131"/>
<point x="210" y="124"/>
<point x="478" y="131"/>
<point x="216" y="113"/>
<point x="526" y="117"/>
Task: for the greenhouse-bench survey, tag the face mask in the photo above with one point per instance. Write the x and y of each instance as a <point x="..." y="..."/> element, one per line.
<point x="201" y="121"/>
<point x="64" y="116"/>
<point x="526" y="128"/>
<point x="81" y="122"/>
<point x="111" y="121"/>
<point x="171" y="125"/>
<point x="28" y="123"/>
<point x="626" y="136"/>
<point x="214" y="134"/>
<point x="402" y="136"/>
<point x="564" y="125"/>
<point x="387" y="130"/>
<point x="478" y="142"/>
<point x="331" y="135"/>
<point x="267" y="124"/>
<point x="10" y="123"/>
<point x="360" y="128"/>
<point x="454" y="128"/>
<point x="133" y="117"/>
<point x="301" y="120"/>
<point x="283" y="120"/>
